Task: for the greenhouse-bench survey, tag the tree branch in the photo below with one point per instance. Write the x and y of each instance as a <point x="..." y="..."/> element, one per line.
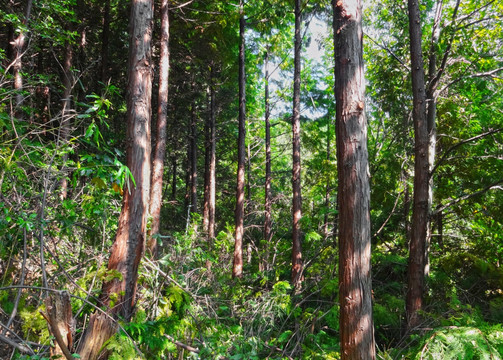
<point x="467" y="196"/>
<point x="483" y="74"/>
<point x="389" y="51"/>
<point x="182" y="345"/>
<point x="21" y="347"/>
<point x="462" y="142"/>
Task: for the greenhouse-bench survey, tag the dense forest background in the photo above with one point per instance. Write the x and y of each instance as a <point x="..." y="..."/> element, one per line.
<point x="64" y="172"/>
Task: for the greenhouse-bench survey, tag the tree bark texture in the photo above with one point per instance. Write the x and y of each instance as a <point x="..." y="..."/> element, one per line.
<point x="355" y="284"/>
<point x="296" y="185"/>
<point x="119" y="293"/>
<point x="237" y="267"/>
<point x="267" y="207"/>
<point x="415" y="277"/>
<point x="160" y="146"/>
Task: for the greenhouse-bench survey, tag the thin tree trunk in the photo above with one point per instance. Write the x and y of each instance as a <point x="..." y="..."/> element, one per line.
<point x="105" y="36"/>
<point x="327" y="191"/>
<point x="355" y="284"/>
<point x="296" y="185"/>
<point x="415" y="277"/>
<point x="119" y="294"/>
<point x="160" y="146"/>
<point x="212" y="161"/>
<point x="17" y="66"/>
<point x="66" y="108"/>
<point x="207" y="157"/>
<point x="193" y="160"/>
<point x="267" y="207"/>
<point x="174" y="173"/>
<point x="237" y="268"/>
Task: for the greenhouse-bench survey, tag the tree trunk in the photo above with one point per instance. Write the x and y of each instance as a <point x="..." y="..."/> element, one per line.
<point x="207" y="157"/>
<point x="17" y="64"/>
<point x="212" y="161"/>
<point x="415" y="277"/>
<point x="119" y="294"/>
<point x="66" y="108"/>
<point x="355" y="284"/>
<point x="237" y="268"/>
<point x="173" y="172"/>
<point x="297" y="199"/>
<point x="267" y="207"/>
<point x="160" y="146"/>
<point x="105" y="36"/>
<point x="193" y="160"/>
<point x="326" y="231"/>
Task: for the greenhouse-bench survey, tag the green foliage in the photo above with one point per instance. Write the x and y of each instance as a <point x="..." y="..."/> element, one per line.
<point x="462" y="343"/>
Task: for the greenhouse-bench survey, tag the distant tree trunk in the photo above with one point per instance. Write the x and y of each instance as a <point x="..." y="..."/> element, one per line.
<point x="193" y="159"/>
<point x="212" y="160"/>
<point x="326" y="231"/>
<point x="105" y="36"/>
<point x="18" y="45"/>
<point x="237" y="267"/>
<point x="160" y="146"/>
<point x="207" y="157"/>
<point x="355" y="284"/>
<point x="119" y="294"/>
<point x="267" y="207"/>
<point x="174" y="174"/>
<point x="66" y="108"/>
<point x="415" y="278"/>
<point x="296" y="185"/>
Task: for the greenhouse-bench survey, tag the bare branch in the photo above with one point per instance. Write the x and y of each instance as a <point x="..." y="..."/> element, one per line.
<point x="462" y="142"/>
<point x="21" y="347"/>
<point x="182" y="345"/>
<point x="384" y="47"/>
<point x="467" y="196"/>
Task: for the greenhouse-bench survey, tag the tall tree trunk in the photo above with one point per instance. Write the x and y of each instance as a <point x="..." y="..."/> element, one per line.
<point x="160" y="146"/>
<point x="415" y="277"/>
<point x="355" y="284"/>
<point x="237" y="267"/>
<point x="119" y="294"/>
<point x="267" y="207"/>
<point x="297" y="199"/>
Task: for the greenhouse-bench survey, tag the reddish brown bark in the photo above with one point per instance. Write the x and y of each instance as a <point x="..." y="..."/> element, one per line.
<point x="296" y="185"/>
<point x="355" y="284"/>
<point x="119" y="294"/>
<point x="160" y="146"/>
<point x="415" y="277"/>
<point x="237" y="267"/>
